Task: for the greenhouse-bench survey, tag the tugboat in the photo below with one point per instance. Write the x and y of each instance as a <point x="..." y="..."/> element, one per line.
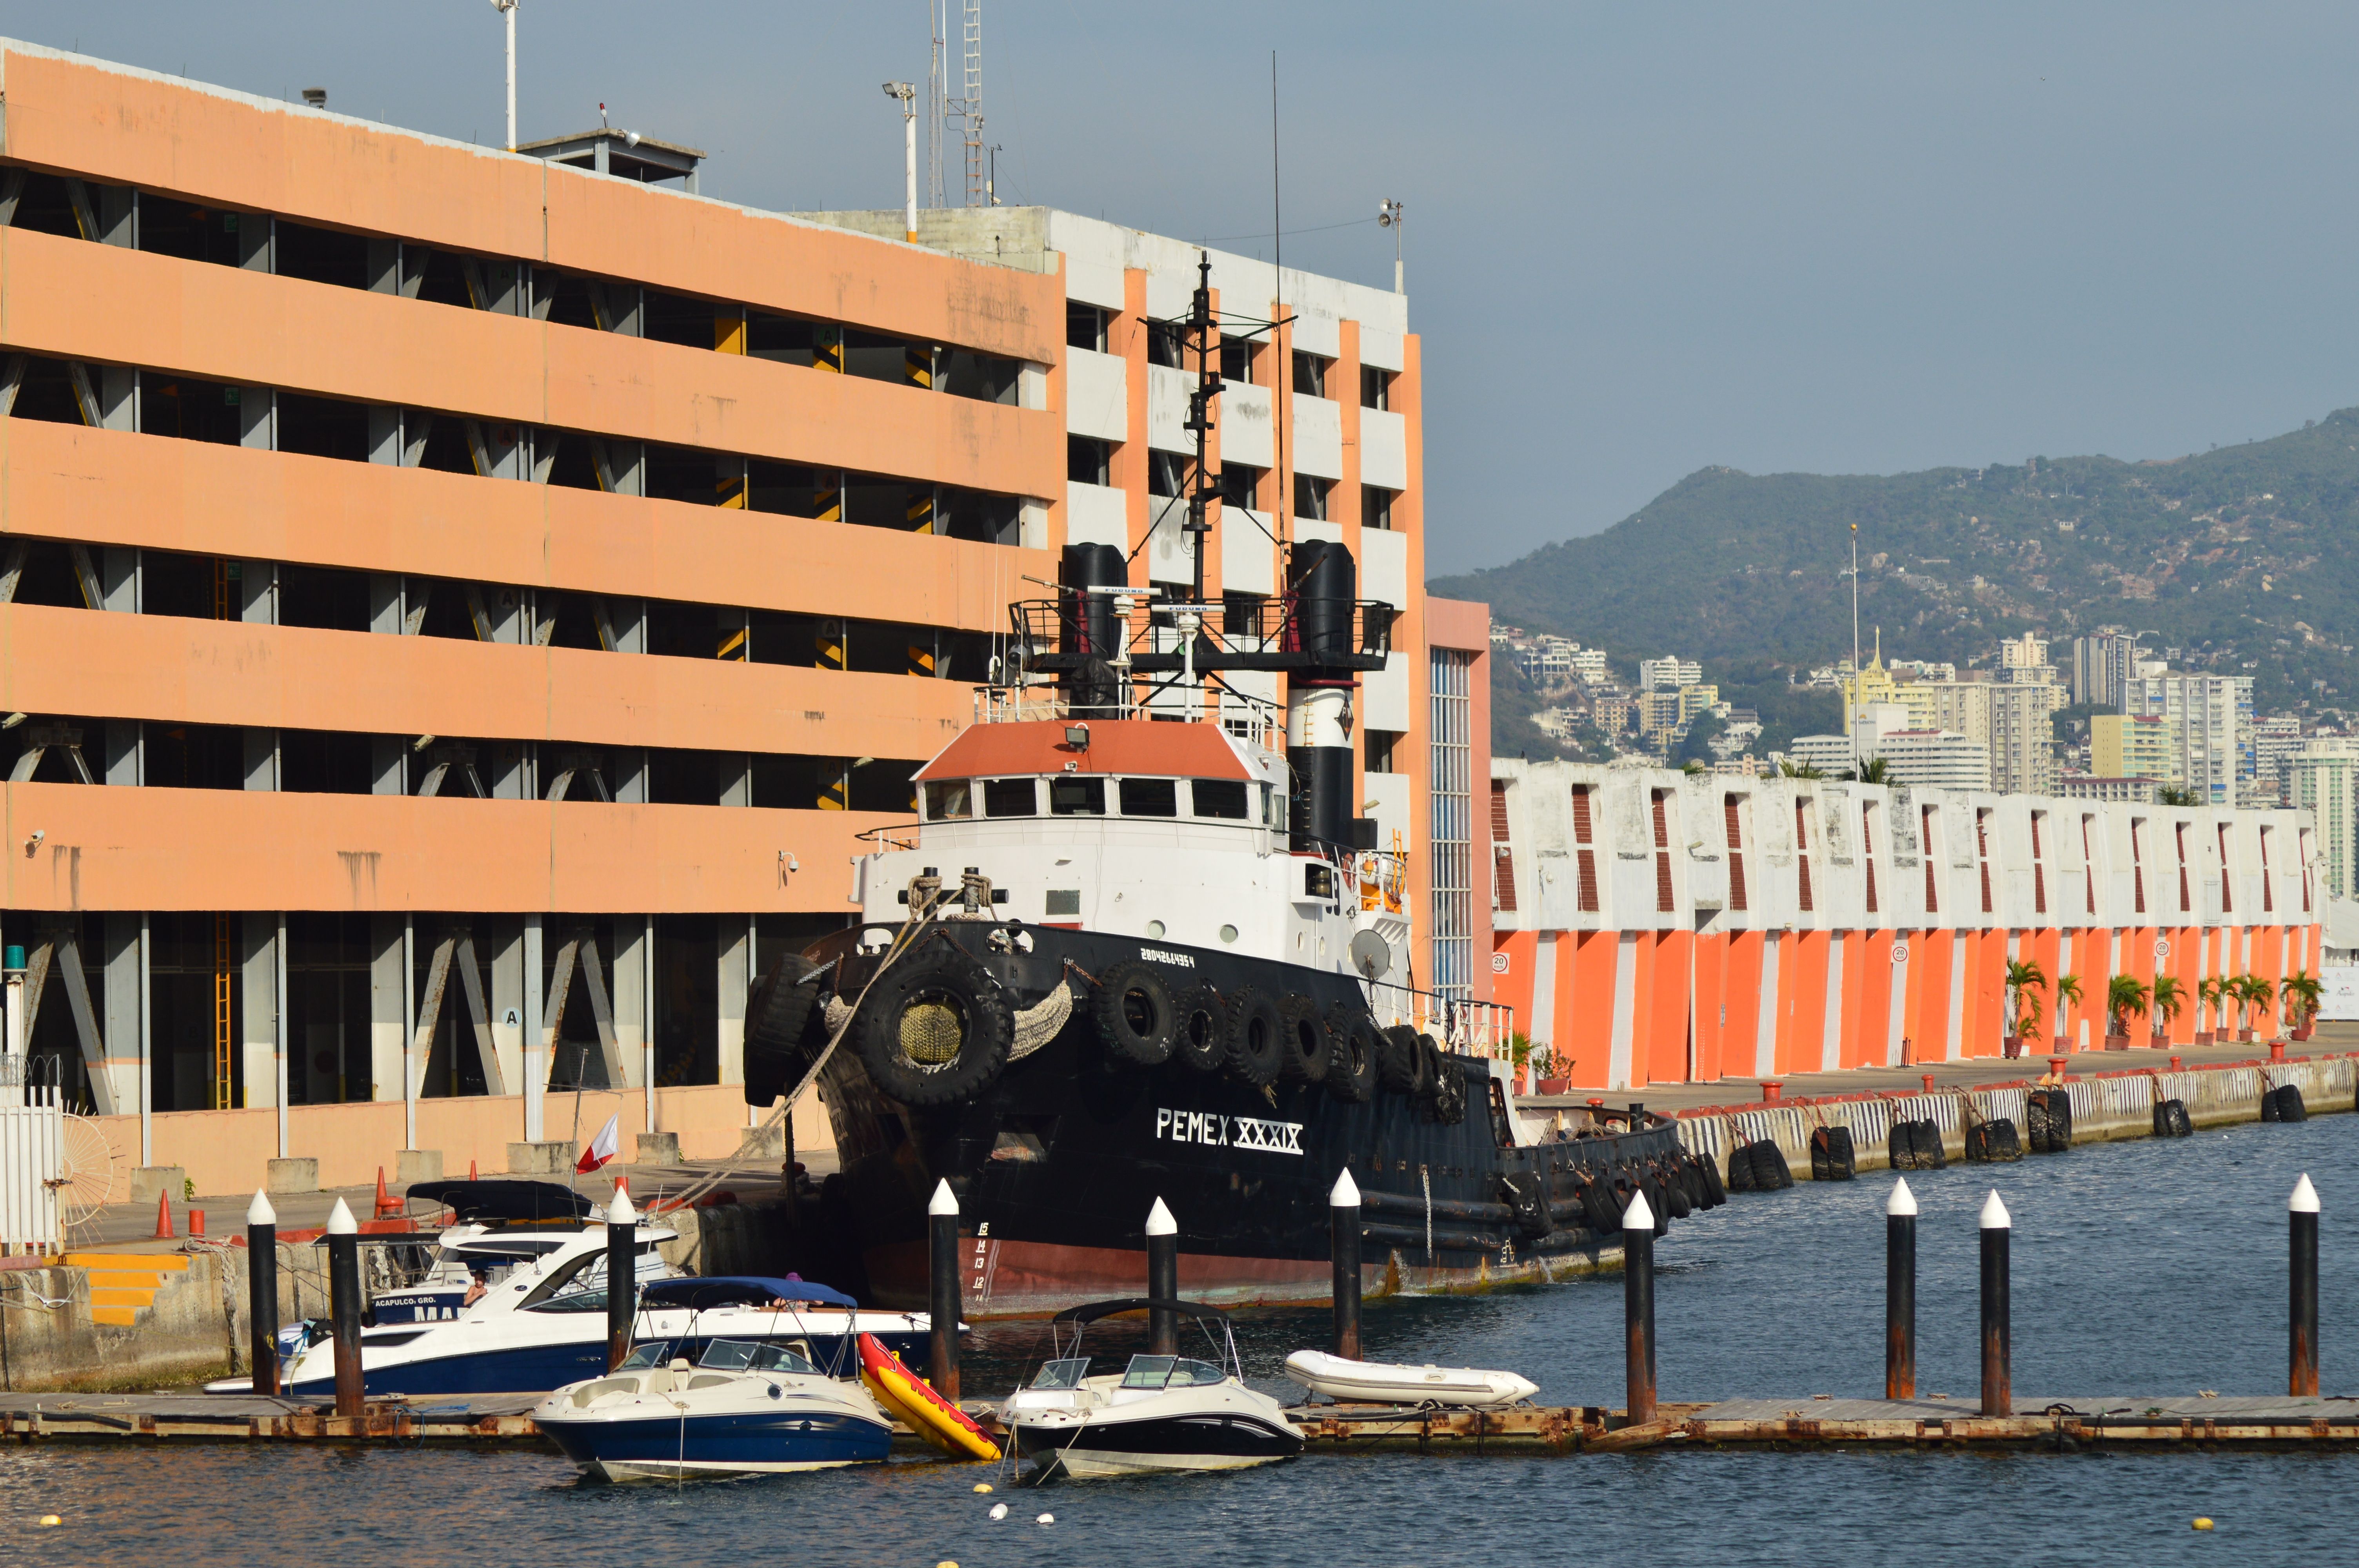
<point x="1136" y="946"/>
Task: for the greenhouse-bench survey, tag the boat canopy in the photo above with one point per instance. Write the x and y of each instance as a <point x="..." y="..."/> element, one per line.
<point x="1092" y="1311"/>
<point x="738" y="1290"/>
<point x="508" y="1201"/>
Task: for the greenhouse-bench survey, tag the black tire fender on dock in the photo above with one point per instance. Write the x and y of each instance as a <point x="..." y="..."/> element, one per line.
<point x="1355" y="1044"/>
<point x="1931" y="1154"/>
<point x="1400" y="1065"/>
<point x="1769" y="1172"/>
<point x="777" y="1014"/>
<point x="1302" y="1058"/>
<point x="1256" y="1037"/>
<point x="1740" y="1168"/>
<point x="2289" y="1104"/>
<point x="1900" y="1146"/>
<point x="935" y="1029"/>
<point x="1136" y="1016"/>
<point x="1714" y="1189"/>
<point x="1200" y="1029"/>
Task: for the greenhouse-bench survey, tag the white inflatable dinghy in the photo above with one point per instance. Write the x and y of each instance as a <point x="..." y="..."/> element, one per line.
<point x="1381" y="1382"/>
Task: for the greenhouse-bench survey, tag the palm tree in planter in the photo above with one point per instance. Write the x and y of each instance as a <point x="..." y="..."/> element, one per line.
<point x="2068" y="990"/>
<point x="2170" y="1000"/>
<point x="2125" y="994"/>
<point x="2212" y="991"/>
<point x="2025" y="981"/>
<point x="2298" y="993"/>
<point x="2251" y="992"/>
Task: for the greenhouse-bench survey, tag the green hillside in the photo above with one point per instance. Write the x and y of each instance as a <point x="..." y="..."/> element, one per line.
<point x="2231" y="555"/>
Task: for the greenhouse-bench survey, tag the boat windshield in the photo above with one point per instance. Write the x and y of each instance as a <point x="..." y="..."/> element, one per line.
<point x="752" y="1356"/>
<point x="1065" y="1374"/>
<point x="1168" y="1372"/>
<point x="652" y="1353"/>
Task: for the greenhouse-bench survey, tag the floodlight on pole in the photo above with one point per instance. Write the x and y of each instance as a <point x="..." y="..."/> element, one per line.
<point x="907" y="95"/>
<point x="1389" y="216"/>
<point x="507" y="8"/>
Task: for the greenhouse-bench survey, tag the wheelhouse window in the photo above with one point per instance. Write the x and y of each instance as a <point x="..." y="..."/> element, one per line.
<point x="1011" y="797"/>
<point x="1148" y="797"/>
<point x="950" y="801"/>
<point x="1074" y="797"/>
<point x="1222" y="799"/>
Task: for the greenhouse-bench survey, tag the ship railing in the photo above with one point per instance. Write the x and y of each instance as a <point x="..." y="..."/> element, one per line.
<point x="1282" y="632"/>
<point x="892" y="836"/>
<point x="1460" y="1024"/>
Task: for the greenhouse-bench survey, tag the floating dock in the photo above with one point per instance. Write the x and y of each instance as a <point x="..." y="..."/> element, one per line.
<point x="2056" y="1426"/>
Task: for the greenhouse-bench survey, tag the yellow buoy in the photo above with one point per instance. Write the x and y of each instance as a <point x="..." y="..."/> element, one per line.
<point x="49" y="1520"/>
<point x="2203" y="1523"/>
<point x="983" y="1486"/>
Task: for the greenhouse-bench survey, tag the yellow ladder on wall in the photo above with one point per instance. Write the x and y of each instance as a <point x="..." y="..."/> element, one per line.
<point x="223" y="1096"/>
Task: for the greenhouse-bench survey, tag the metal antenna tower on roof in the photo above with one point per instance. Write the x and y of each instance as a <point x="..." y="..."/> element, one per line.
<point x="966" y="110"/>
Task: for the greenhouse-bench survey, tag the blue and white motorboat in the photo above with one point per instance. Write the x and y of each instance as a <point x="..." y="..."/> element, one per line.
<point x="498" y="1224"/>
<point x="544" y="1325"/>
<point x="742" y="1408"/>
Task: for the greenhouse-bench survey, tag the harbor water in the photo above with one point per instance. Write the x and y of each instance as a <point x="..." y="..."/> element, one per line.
<point x="2142" y="1268"/>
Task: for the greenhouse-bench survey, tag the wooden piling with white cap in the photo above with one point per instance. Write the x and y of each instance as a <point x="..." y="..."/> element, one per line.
<point x="1343" y="1255"/>
<point x="344" y="1307"/>
<point x="1639" y="1305"/>
<point x="1900" y="1294"/>
<point x="2301" y="1280"/>
<point x="943" y="1290"/>
<point x="1999" y="1384"/>
<point x="262" y="1291"/>
<point x="1163" y="1280"/>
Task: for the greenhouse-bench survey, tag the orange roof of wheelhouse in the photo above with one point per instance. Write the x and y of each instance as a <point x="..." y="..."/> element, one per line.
<point x="1116" y="746"/>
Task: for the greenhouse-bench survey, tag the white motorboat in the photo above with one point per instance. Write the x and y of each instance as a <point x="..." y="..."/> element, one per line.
<point x="1159" y="1414"/>
<point x="1382" y="1382"/>
<point x="742" y="1408"/>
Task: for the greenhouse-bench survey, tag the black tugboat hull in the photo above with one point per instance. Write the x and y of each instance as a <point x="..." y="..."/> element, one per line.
<point x="1057" y="1163"/>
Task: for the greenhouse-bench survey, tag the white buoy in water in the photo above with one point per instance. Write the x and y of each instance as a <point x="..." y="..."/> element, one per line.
<point x="1047" y="1519"/>
<point x="999" y="1510"/>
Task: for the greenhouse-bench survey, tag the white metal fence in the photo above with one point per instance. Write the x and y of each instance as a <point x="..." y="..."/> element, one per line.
<point x="32" y="1164"/>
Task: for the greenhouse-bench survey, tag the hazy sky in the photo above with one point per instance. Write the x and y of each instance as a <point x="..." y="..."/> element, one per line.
<point x="1641" y="239"/>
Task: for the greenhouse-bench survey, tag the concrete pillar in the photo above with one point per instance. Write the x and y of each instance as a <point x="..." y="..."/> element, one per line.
<point x="258" y="418"/>
<point x="261" y="759"/>
<point x="257" y="593"/>
<point x="124" y="752"/>
<point x="634" y="965"/>
<point x="536" y="1041"/>
<point x="735" y="945"/>
<point x="510" y="986"/>
<point x="257" y="1023"/>
<point x="736" y="778"/>
<point x="387" y="989"/>
<point x="118" y="576"/>
<point x="122" y="1006"/>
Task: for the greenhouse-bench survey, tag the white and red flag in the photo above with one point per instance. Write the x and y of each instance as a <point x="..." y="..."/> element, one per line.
<point x="604" y="1147"/>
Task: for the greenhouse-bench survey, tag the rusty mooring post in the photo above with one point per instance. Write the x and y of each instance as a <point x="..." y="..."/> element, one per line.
<point x="1163" y="1280"/>
<point x="262" y="1291"/>
<point x="1999" y="1387"/>
<point x="1900" y="1294"/>
<point x="622" y="1275"/>
<point x="942" y="1291"/>
<point x="2301" y="1277"/>
<point x="344" y="1307"/>
<point x="1638" y="1304"/>
<point x="1343" y="1254"/>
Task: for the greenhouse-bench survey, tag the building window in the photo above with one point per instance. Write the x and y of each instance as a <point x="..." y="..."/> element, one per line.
<point x="1088" y="460"/>
<point x="1375" y="506"/>
<point x="1241" y="485"/>
<point x="1452" y="825"/>
<point x="1085" y="327"/>
<point x="1310" y="497"/>
<point x="1240" y="358"/>
<point x="1376" y="388"/>
<point x="1167" y="345"/>
<point x="1163" y="474"/>
<point x="1310" y="373"/>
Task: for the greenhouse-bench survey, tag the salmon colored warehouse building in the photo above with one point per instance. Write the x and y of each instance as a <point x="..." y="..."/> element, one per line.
<point x="460" y="608"/>
<point x="1656" y="927"/>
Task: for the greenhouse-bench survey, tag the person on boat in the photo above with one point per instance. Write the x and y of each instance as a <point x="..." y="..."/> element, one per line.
<point x="479" y="1285"/>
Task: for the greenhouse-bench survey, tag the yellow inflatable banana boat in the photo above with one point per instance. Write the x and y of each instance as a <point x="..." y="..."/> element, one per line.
<point x="910" y="1397"/>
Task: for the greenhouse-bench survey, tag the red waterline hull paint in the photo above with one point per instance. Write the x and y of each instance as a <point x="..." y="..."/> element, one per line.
<point x="1031" y="1279"/>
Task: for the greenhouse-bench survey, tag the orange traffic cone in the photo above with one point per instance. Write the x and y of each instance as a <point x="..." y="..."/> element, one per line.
<point x="471" y="1171"/>
<point x="164" y="1231"/>
<point x="385" y="1202"/>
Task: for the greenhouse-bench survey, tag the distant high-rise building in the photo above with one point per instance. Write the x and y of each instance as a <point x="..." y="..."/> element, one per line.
<point x="2215" y="714"/>
<point x="2022" y="740"/>
<point x="2324" y="775"/>
<point x="2145" y="746"/>
<point x="2275" y="740"/>
<point x="1932" y="759"/>
<point x="1668" y="675"/>
<point x="2101" y="664"/>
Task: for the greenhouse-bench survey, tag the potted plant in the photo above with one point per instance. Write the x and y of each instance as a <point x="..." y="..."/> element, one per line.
<point x="2068" y="990"/>
<point x="2125" y="994"/>
<point x="2298" y="992"/>
<point x="2212" y="991"/>
<point x="2025" y="981"/>
<point x="2246" y="991"/>
<point x="2169" y="997"/>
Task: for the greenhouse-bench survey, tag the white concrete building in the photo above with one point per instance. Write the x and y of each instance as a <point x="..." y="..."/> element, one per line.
<point x="2216" y="719"/>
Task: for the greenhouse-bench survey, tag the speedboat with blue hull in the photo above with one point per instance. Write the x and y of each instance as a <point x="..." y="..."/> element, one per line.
<point x="741" y="1408"/>
<point x="496" y="1224"/>
<point x="1119" y="957"/>
<point x="546" y="1326"/>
